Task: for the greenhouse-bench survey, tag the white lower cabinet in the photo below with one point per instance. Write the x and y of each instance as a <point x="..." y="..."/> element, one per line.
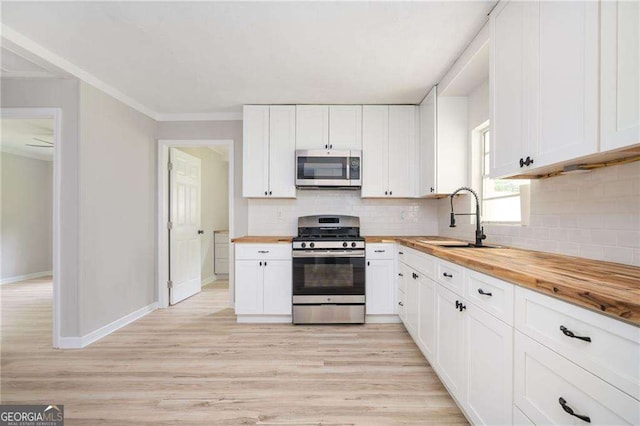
<point x="488" y="367"/>
<point x="550" y="389"/>
<point x="263" y="283"/>
<point x="412" y="305"/>
<point x="450" y="345"/>
<point x="380" y="280"/>
<point x="427" y="316"/>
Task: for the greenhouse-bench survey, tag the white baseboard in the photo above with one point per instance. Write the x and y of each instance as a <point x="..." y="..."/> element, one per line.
<point x="87" y="339"/>
<point x="17" y="278"/>
<point x="275" y="319"/>
<point x="382" y="319"/>
<point x="209" y="280"/>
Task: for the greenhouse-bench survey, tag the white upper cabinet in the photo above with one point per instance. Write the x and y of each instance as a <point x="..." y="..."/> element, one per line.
<point x="620" y="74"/>
<point x="443" y="144"/>
<point x="544" y="103"/>
<point x="389" y="151"/>
<point x="336" y="127"/>
<point x="268" y="155"/>
<point x="312" y="127"/>
<point x="345" y="127"/>
<point x="255" y="151"/>
<point x="282" y="147"/>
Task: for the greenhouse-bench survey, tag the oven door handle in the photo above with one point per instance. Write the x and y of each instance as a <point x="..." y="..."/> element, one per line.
<point x="328" y="253"/>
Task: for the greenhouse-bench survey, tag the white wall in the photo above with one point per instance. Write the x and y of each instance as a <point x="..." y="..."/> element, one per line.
<point x="377" y="216"/>
<point x="594" y="215"/>
<point x="117" y="209"/>
<point x="26" y="216"/>
<point x="215" y="202"/>
<point x="63" y="94"/>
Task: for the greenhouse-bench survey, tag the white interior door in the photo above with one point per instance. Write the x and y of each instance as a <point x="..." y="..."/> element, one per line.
<point x="184" y="236"/>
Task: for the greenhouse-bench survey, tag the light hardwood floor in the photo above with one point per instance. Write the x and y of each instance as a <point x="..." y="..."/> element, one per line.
<point x="192" y="364"/>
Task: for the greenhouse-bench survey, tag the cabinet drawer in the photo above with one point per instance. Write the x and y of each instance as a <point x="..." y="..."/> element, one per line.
<point x="613" y="353"/>
<point x="544" y="380"/>
<point x="490" y="294"/>
<point x="263" y="251"/>
<point x="379" y="251"/>
<point x="450" y="275"/>
<point x="419" y="261"/>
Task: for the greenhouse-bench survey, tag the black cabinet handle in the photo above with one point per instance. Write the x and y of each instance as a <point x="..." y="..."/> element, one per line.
<point x="330" y="146"/>
<point x="270" y="193"/>
<point x="431" y="189"/>
<point x="399" y="274"/>
<point x="400" y="303"/>
<point x="569" y="410"/>
<point x="390" y="192"/>
<point x="462" y="307"/>
<point x="571" y="334"/>
<point x="368" y="263"/>
<point x="386" y="192"/>
<point x="416" y="276"/>
<point x="521" y="162"/>
<point x="265" y="193"/>
<point x="200" y="232"/>
<point x="458" y="304"/>
<point x="265" y="263"/>
<point x="260" y="263"/>
<point x="528" y="161"/>
<point x="326" y="146"/>
<point x="400" y="252"/>
<point x="447" y="275"/>
<point x="484" y="293"/>
<point x="379" y="251"/>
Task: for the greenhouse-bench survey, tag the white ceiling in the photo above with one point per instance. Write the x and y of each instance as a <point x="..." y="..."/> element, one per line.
<point x="212" y="57"/>
<point x="16" y="133"/>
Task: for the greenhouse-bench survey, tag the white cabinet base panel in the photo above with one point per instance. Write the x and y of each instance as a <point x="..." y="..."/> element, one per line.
<point x="382" y="319"/>
<point x="255" y="319"/>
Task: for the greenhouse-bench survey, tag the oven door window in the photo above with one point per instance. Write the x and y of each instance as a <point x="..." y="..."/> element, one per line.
<point x="328" y="276"/>
<point x="322" y="168"/>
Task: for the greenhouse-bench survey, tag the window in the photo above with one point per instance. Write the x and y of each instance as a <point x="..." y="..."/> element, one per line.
<point x="500" y="197"/>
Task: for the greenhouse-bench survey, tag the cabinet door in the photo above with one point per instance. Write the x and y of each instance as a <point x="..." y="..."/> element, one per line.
<point x="413" y="306"/>
<point x="402" y="151"/>
<point x="450" y="341"/>
<point x="282" y="151"/>
<point x="489" y="368"/>
<point x="380" y="287"/>
<point x="619" y="71"/>
<point x="375" y="150"/>
<point x="277" y="287"/>
<point x="452" y="140"/>
<point x="345" y="127"/>
<point x="427" y="315"/>
<point x="255" y="151"/>
<point x="249" y="278"/>
<point x="512" y="38"/>
<point x="427" y="145"/>
<point x="312" y="127"/>
<point x="567" y="62"/>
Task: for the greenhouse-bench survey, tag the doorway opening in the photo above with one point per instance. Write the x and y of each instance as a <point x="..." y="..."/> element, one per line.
<point x="195" y="219"/>
<point x="30" y="223"/>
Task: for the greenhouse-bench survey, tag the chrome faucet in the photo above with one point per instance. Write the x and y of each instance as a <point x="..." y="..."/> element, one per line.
<point x="479" y="230"/>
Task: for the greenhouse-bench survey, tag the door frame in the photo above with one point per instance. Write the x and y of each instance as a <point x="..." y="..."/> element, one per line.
<point x="162" y="269"/>
<point x="56" y="115"/>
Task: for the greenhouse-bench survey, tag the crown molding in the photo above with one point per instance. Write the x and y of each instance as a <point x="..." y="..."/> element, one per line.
<point x="31" y="46"/>
<point x="214" y="116"/>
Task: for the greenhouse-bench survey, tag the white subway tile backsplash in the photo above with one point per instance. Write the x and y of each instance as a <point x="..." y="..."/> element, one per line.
<point x="594" y="215"/>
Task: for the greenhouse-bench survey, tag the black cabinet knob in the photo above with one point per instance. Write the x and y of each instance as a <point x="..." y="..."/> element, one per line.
<point x="431" y="189"/>
<point x="521" y="162"/>
<point x="326" y="146"/>
<point x="390" y="192"/>
<point x="368" y="263"/>
<point x="265" y="193"/>
<point x="386" y="192"/>
<point x="200" y="232"/>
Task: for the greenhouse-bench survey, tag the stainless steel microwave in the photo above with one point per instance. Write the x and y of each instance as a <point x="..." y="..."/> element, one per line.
<point x="328" y="169"/>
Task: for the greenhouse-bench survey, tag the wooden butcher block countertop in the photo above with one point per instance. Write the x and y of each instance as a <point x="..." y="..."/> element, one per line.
<point x="262" y="240"/>
<point x="605" y="287"/>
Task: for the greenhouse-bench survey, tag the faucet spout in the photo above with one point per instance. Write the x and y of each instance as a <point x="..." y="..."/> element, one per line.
<point x="479" y="229"/>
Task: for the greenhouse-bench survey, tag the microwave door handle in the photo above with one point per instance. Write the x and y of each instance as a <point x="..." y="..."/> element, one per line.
<point x="348" y="165"/>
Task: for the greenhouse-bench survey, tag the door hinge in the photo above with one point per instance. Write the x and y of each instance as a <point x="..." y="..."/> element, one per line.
<point x="169" y="225"/>
<point x="170" y="165"/>
<point x="169" y="284"/>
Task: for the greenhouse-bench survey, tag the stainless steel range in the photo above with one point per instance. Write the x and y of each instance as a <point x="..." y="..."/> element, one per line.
<point x="328" y="271"/>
